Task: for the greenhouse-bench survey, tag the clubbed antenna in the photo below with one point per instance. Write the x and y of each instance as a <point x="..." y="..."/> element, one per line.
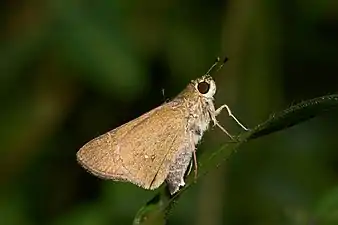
<point x="214" y="66"/>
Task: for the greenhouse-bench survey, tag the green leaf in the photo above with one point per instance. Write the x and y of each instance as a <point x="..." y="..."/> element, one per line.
<point x="295" y="114"/>
<point x="156" y="211"/>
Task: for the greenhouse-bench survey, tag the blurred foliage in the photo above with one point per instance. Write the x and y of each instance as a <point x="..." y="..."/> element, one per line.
<point x="71" y="70"/>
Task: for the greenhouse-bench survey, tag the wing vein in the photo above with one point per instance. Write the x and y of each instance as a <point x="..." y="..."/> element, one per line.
<point x="164" y="158"/>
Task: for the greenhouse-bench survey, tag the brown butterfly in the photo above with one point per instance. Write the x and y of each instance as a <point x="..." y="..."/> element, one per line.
<point x="159" y="145"/>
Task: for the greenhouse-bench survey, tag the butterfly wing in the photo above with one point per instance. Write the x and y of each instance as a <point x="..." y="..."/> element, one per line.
<point x="139" y="151"/>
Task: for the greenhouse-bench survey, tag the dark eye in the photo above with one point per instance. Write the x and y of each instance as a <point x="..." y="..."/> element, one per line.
<point x="203" y="87"/>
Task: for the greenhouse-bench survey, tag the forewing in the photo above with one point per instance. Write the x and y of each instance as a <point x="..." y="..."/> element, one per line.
<point x="149" y="149"/>
<point x="101" y="156"/>
<point x="139" y="151"/>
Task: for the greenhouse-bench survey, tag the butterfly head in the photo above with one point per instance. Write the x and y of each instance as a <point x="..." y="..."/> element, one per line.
<point x="205" y="86"/>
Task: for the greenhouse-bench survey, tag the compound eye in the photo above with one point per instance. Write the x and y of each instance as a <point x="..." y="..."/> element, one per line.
<point x="203" y="87"/>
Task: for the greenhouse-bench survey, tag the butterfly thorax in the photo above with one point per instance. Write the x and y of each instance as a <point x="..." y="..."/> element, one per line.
<point x="197" y="109"/>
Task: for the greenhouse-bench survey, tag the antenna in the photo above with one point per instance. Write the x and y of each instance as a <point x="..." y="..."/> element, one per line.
<point x="213" y="67"/>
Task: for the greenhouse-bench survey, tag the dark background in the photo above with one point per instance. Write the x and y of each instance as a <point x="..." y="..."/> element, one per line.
<point x="71" y="70"/>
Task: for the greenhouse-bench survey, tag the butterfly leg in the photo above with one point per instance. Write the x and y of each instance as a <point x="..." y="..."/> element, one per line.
<point x="189" y="169"/>
<point x="195" y="163"/>
<point x="218" y="111"/>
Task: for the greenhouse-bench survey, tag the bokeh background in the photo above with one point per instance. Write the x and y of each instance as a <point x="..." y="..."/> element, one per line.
<point x="71" y="70"/>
